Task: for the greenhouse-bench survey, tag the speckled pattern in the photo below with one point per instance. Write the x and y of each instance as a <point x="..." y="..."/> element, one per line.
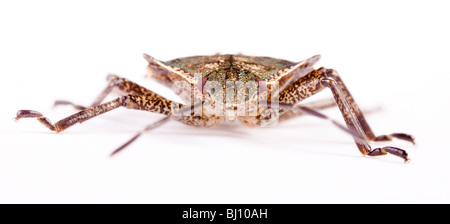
<point x="220" y="85"/>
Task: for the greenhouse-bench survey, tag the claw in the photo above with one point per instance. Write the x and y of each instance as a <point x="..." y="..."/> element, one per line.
<point x="391" y="150"/>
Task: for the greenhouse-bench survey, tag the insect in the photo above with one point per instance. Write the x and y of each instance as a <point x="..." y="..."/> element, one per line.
<point x="257" y="91"/>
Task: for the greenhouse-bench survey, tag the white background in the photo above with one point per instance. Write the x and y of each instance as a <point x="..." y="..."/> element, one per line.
<point x="391" y="54"/>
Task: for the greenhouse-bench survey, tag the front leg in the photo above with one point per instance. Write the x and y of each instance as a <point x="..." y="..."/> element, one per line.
<point x="322" y="78"/>
<point x="67" y="122"/>
<point x="114" y="82"/>
<point x="350" y="109"/>
<point x="148" y="102"/>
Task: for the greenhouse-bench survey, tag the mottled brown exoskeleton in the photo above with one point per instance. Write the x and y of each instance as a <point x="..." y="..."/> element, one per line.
<point x="257" y="91"/>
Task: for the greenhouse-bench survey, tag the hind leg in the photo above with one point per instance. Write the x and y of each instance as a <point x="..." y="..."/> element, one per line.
<point x="114" y="82"/>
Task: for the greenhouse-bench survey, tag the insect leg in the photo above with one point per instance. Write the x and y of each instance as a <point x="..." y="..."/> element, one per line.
<point x="80" y="117"/>
<point x="313" y="83"/>
<point x="322" y="105"/>
<point x="149" y="102"/>
<point x="335" y="83"/>
<point x="306" y="110"/>
<point x="355" y="119"/>
<point x="146" y="129"/>
<point x="322" y="78"/>
<point x="191" y="120"/>
<point x="316" y="105"/>
<point x="114" y="82"/>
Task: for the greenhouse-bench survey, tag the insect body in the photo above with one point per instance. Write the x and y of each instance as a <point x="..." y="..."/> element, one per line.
<point x="257" y="91"/>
